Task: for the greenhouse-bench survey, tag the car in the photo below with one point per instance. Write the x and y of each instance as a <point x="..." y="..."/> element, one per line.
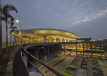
<point x="72" y="66"/>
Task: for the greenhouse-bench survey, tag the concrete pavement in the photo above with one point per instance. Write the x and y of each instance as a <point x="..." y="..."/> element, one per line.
<point x="62" y="65"/>
<point x="103" y="65"/>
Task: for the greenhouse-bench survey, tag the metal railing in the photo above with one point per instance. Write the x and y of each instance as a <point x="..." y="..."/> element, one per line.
<point x="36" y="59"/>
<point x="21" y="69"/>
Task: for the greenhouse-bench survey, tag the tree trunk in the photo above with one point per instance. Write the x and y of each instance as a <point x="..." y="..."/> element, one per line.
<point x="18" y="40"/>
<point x="0" y="30"/>
<point x="15" y="41"/>
<point x="10" y="40"/>
<point x="6" y="37"/>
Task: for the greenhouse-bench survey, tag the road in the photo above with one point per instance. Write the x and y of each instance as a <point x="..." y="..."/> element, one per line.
<point x="60" y="67"/>
<point x="103" y="65"/>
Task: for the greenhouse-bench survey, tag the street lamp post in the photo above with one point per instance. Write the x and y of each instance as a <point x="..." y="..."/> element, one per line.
<point x="17" y="21"/>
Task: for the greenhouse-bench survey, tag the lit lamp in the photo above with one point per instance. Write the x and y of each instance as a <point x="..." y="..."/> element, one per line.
<point x="17" y="21"/>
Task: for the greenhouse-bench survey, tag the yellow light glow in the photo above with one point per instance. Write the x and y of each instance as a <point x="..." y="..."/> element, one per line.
<point x="17" y="21"/>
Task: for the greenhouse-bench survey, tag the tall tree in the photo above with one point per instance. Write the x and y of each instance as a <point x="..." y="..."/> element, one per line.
<point x="0" y="27"/>
<point x="14" y="29"/>
<point x="11" y="27"/>
<point x="5" y="16"/>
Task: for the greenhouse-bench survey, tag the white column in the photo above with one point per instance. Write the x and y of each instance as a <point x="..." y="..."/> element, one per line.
<point x="44" y="38"/>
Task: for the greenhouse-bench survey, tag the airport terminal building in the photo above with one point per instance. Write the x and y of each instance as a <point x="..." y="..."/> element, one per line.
<point x="69" y="42"/>
<point x="44" y="35"/>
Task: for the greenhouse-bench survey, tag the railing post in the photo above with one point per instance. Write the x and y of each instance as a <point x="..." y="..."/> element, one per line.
<point x="64" y="48"/>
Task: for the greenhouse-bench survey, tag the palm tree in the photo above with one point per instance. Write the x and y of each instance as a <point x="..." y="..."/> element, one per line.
<point x="11" y="27"/>
<point x="0" y="29"/>
<point x="5" y="16"/>
<point x="15" y="32"/>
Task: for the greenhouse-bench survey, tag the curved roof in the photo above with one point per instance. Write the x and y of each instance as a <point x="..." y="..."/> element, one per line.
<point x="49" y="32"/>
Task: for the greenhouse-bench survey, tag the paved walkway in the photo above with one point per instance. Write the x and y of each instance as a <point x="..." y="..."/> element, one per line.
<point x="4" y="46"/>
<point x="33" y="72"/>
<point x="42" y="68"/>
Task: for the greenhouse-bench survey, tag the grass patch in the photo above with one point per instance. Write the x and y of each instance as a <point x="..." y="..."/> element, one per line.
<point x="12" y="44"/>
<point x="66" y="74"/>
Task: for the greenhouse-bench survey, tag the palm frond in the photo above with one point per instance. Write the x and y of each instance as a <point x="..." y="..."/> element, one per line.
<point x="11" y="22"/>
<point x="6" y="16"/>
<point x="9" y="7"/>
<point x="6" y="9"/>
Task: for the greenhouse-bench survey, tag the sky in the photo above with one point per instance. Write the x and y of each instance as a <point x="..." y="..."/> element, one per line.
<point x="85" y="18"/>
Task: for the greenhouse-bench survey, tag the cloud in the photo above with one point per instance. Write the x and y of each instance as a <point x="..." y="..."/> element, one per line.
<point x="77" y="19"/>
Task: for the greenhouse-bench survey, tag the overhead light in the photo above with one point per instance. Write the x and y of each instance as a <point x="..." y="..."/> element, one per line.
<point x="17" y="21"/>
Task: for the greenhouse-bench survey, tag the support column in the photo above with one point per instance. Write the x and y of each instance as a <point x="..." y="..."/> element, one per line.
<point x="37" y="53"/>
<point x="64" y="48"/>
<point x="100" y="50"/>
<point x="61" y="40"/>
<point x="76" y="48"/>
<point x="83" y="48"/>
<point x="60" y="47"/>
<point x="70" y="52"/>
<point x="105" y="48"/>
<point x="45" y="58"/>
<point x="25" y="40"/>
<point x="54" y="40"/>
<point x="66" y="40"/>
<point x="105" y="54"/>
<point x="44" y="38"/>
<point x="91" y="50"/>
<point x="48" y="50"/>
<point x="87" y="47"/>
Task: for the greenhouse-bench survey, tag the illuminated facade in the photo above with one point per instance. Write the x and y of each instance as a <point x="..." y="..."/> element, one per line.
<point x="70" y="43"/>
<point x="44" y="35"/>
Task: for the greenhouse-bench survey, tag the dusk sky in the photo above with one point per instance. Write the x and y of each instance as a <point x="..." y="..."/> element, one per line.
<point x="85" y="18"/>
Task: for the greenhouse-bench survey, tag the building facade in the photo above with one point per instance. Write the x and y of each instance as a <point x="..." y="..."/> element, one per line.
<point x="44" y="35"/>
<point x="70" y="43"/>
